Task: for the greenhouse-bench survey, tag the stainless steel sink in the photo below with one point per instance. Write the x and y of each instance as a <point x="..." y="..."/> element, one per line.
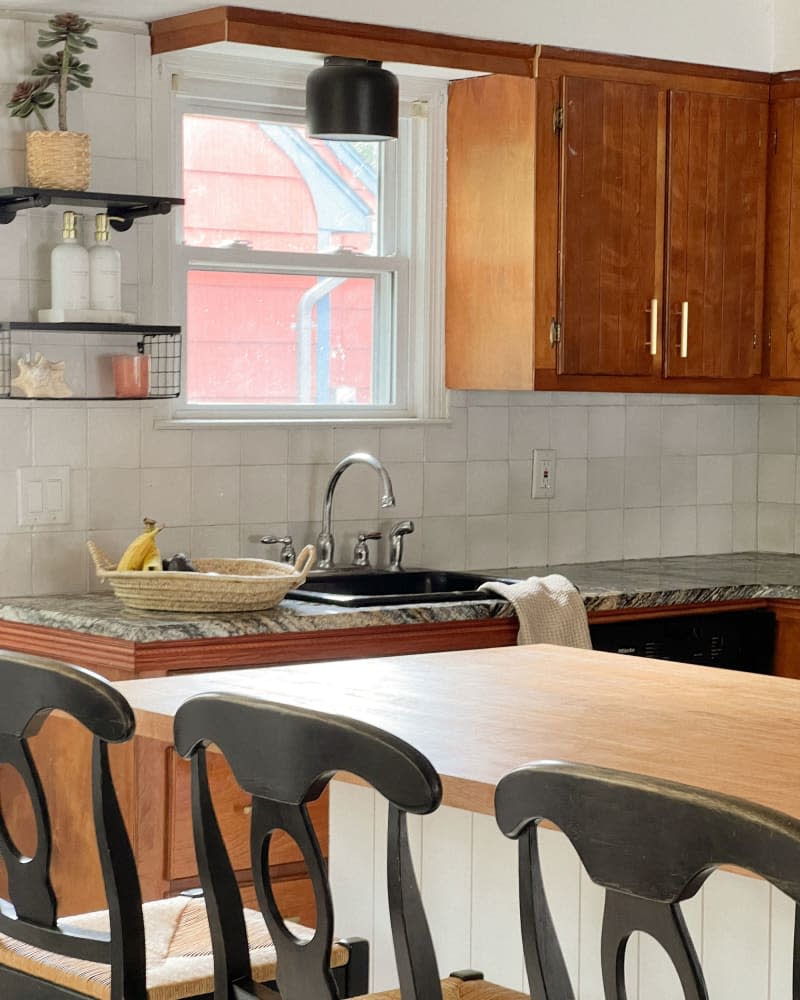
<point x="360" y="589"/>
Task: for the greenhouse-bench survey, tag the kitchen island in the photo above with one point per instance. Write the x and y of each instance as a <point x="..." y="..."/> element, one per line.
<point x="478" y="714"/>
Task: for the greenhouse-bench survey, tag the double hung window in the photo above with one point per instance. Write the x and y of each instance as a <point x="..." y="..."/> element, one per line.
<point x="304" y="264"/>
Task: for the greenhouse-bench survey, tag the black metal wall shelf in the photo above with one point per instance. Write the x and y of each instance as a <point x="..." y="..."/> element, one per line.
<point x="127" y="207"/>
<point x="161" y="342"/>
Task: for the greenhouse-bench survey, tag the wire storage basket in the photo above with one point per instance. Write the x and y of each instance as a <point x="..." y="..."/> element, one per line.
<point x="218" y="584"/>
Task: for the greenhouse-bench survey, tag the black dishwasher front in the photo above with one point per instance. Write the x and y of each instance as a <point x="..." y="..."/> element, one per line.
<point x="736" y="640"/>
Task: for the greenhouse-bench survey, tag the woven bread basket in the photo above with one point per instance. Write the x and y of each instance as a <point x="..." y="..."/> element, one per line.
<point x="219" y="584"/>
<point x="60" y="160"/>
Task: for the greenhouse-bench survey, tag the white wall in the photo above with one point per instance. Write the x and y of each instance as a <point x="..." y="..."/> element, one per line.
<point x="637" y="475"/>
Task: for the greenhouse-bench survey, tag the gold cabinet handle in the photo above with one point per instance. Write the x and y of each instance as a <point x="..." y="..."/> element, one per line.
<point x="684" y="329"/>
<point x="654" y="326"/>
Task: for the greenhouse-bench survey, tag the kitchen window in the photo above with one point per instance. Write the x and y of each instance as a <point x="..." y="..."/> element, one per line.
<point x="306" y="270"/>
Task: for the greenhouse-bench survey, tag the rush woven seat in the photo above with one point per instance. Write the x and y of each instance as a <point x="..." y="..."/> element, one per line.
<point x="178" y="952"/>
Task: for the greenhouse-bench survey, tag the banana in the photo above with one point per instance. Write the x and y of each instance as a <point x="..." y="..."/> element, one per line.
<point x="142" y="553"/>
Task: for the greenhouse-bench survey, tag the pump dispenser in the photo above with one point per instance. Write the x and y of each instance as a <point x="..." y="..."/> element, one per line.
<point x="105" y="269"/>
<point x="69" y="269"/>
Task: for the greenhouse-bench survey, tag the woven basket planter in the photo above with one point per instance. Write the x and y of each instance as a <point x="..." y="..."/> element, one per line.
<point x="58" y="160"/>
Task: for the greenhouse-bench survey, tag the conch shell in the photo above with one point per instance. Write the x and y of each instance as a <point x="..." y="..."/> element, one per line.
<point x="41" y="378"/>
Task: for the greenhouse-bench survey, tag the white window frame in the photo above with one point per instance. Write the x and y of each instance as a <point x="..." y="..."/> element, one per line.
<point x="226" y="83"/>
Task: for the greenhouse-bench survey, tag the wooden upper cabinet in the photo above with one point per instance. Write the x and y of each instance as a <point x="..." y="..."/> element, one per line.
<point x="610" y="227"/>
<point x="783" y="243"/>
<point x="716" y="188"/>
<point x="489" y="283"/>
<point x="587" y="205"/>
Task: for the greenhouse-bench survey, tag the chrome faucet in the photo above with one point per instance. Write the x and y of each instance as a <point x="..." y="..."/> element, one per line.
<point x="325" y="542"/>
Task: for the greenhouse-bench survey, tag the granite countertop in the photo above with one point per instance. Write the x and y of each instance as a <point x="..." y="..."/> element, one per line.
<point x="635" y="583"/>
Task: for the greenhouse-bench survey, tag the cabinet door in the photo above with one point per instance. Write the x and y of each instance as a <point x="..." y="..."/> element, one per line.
<point x="611" y="227"/>
<point x="716" y="185"/>
<point x="783" y="240"/>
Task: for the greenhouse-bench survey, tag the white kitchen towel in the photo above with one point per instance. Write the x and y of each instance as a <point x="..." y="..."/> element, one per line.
<point x="549" y="609"/>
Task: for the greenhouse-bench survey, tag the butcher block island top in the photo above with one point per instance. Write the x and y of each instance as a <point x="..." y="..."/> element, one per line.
<point x="477" y="714"/>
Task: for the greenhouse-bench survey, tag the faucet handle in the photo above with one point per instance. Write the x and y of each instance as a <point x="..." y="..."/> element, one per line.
<point x="287" y="553"/>
<point x="361" y="550"/>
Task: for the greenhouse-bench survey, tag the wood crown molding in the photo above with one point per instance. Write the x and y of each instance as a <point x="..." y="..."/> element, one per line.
<point x="343" y="38"/>
<point x="386" y="43"/>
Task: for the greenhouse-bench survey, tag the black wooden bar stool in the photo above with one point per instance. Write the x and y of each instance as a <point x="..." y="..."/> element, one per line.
<point x="285" y="757"/>
<point x="159" y="951"/>
<point x="650" y="844"/>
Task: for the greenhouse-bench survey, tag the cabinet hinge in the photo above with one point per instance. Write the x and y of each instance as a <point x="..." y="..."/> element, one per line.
<point x="558" y="119"/>
<point x="769" y="340"/>
<point x="555" y="332"/>
<point x="774" y="139"/>
<point x="755" y="341"/>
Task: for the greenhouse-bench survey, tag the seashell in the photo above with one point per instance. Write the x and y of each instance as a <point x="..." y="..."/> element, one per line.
<point x="41" y="378"/>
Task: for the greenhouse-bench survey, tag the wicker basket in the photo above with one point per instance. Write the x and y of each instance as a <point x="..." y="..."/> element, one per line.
<point x="219" y="584"/>
<point x="58" y="160"/>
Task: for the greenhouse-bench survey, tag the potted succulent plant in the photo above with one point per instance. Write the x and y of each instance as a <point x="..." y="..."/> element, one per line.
<point x="58" y="158"/>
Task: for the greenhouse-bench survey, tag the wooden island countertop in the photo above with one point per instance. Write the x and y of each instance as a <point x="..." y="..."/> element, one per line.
<point x="477" y="714"/>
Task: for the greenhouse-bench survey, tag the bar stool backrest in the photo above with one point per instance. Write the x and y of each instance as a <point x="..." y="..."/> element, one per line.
<point x="285" y="757"/>
<point x="32" y="687"/>
<point x="650" y="843"/>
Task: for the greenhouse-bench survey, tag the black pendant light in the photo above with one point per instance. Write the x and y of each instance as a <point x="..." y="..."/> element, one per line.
<point x="353" y="99"/>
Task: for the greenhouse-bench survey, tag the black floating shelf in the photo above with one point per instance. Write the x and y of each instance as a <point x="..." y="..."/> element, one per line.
<point x="126" y="206"/>
<point x="131" y="328"/>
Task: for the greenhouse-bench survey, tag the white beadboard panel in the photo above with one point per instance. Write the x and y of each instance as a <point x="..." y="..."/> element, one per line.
<point x="446" y="882"/>
<point x="352" y="826"/>
<point x="781" y="943"/>
<point x="561" y="873"/>
<point x="736" y="936"/>
<point x="384" y="967"/>
<point x="496" y="939"/>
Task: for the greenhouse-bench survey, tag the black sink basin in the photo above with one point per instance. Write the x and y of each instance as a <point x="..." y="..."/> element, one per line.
<point x="371" y="588"/>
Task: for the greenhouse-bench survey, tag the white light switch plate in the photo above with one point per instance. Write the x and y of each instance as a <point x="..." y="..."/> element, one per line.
<point x="43" y="495"/>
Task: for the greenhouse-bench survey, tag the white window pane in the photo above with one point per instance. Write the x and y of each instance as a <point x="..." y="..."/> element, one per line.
<point x="267" y="186"/>
<point x="282" y="339"/>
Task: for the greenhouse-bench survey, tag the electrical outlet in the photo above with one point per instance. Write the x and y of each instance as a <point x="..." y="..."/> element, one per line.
<point x="543" y="485"/>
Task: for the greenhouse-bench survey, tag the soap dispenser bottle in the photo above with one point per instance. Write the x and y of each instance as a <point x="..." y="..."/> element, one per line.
<point x="69" y="269"/>
<point x="105" y="270"/>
